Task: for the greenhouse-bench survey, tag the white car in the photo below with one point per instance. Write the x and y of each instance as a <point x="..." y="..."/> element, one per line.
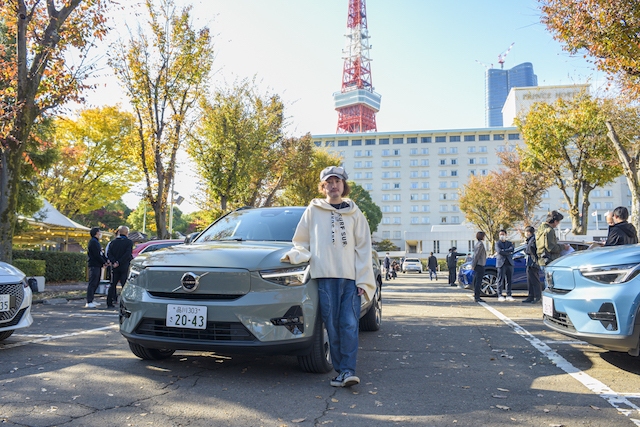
<point x="15" y="300"/>
<point x="412" y="264"/>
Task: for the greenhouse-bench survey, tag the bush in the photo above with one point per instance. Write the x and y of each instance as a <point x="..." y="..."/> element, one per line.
<point x="31" y="267"/>
<point x="442" y="263"/>
<point x="60" y="266"/>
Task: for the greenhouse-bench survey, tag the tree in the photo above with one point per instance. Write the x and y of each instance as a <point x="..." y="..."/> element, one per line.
<point x="385" y="245"/>
<point x="108" y="217"/>
<point x="371" y="211"/>
<point x="165" y="74"/>
<point x="568" y="141"/>
<point x="35" y="79"/>
<point x="95" y="167"/>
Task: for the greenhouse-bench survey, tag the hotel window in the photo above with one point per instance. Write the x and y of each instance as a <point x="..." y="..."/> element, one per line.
<point x="511" y="148"/>
<point x="412" y="140"/>
<point x="356" y="142"/>
<point x="455" y="219"/>
<point x="597" y="205"/>
<point x="441" y="139"/>
<point x="425" y="196"/>
<point x="442" y="173"/>
<point x="500" y="149"/>
<point x="386" y="234"/>
<point x="414" y="196"/>
<point x="443" y="162"/>
<point x="472" y="161"/>
<point x="442" y="150"/>
<point x="368" y="187"/>
<point x="608" y="205"/>
<point x="397" y="208"/>
<point x="318" y="143"/>
<point x="594" y="193"/>
<point x="471" y="150"/>
<point x="415" y="208"/>
<point x="454" y="184"/>
<point x="385" y="163"/>
<point x="385" y="152"/>
<point x="397" y="220"/>
<point x="498" y="137"/>
<point x="454" y="138"/>
<point x="454" y="161"/>
<point x="472" y="172"/>
<point x="442" y="185"/>
<point x="395" y="174"/>
<point x="413" y="152"/>
<point x="453" y="196"/>
<point x="413" y="163"/>
<point x="443" y="196"/>
<point x="444" y="208"/>
<point x="415" y="220"/>
<point x="425" y="185"/>
<point x="426" y="208"/>
<point x="443" y="219"/>
<point x="397" y="234"/>
<point x="482" y="149"/>
<point x="397" y="197"/>
<point x="424" y="151"/>
<point x="386" y="175"/>
<point x="545" y="194"/>
<point x="545" y="206"/>
<point x="426" y="220"/>
<point x="396" y="163"/>
<point x="483" y="137"/>
<point x="369" y="142"/>
<point x="483" y="161"/>
<point x="357" y="165"/>
<point x="398" y="140"/>
<point x="384" y="141"/>
<point x="328" y="144"/>
<point x="368" y="164"/>
<point x="368" y="175"/>
<point x="414" y="185"/>
<point x="514" y="136"/>
<point x="386" y="209"/>
<point x="368" y="153"/>
<point x="424" y="162"/>
<point x="608" y="193"/>
<point x="396" y="185"/>
<point x="396" y="152"/>
<point x="385" y="198"/>
<point x="357" y="175"/>
<point x="386" y="186"/>
<point x="343" y="143"/>
<point x="453" y="150"/>
<point x="484" y="172"/>
<point x="436" y="246"/>
<point x="469" y="138"/>
<point x="425" y="139"/>
<point x="357" y="153"/>
<point x="413" y="174"/>
<point x="424" y="174"/>
<point x="455" y="208"/>
<point x="454" y="173"/>
<point x="386" y="220"/>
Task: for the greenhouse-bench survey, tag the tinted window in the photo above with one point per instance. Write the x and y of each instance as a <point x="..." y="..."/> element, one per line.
<point x="271" y="224"/>
<point x="152" y="248"/>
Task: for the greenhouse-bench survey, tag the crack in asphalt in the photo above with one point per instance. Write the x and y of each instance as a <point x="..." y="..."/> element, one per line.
<point x="326" y="410"/>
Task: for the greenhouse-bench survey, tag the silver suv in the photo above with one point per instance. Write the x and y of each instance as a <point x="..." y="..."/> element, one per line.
<point x="15" y="300"/>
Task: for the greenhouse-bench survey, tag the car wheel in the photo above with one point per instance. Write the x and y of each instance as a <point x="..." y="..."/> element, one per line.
<point x="150" y="353"/>
<point x="318" y="361"/>
<point x="6" y="334"/>
<point x="489" y="285"/>
<point x="373" y="319"/>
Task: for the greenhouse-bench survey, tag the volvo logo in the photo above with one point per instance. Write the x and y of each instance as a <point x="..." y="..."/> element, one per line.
<point x="191" y="281"/>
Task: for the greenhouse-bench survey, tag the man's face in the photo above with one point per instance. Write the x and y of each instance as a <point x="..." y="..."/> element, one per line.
<point x="334" y="187"/>
<point x="99" y="235"/>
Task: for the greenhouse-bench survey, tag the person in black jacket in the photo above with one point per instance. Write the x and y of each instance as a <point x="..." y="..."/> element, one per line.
<point x="621" y="232"/>
<point x="533" y="268"/>
<point x="120" y="256"/>
<point x="95" y="261"/>
<point x="452" y="264"/>
<point x="433" y="267"/>
<point x="504" y="263"/>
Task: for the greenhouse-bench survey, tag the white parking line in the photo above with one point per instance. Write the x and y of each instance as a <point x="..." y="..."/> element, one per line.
<point x="55" y="337"/>
<point x="597" y="387"/>
<point x="566" y="342"/>
<point x="74" y="314"/>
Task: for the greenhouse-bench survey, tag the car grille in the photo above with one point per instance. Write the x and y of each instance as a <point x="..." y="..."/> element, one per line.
<point x="558" y="291"/>
<point x="215" y="332"/>
<point x="16" y="292"/>
<point x="561" y="320"/>
<point x="15" y="320"/>
<point x="195" y="297"/>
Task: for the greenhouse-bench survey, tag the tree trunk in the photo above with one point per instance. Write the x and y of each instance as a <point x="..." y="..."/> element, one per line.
<point x="9" y="175"/>
<point x="161" y="221"/>
<point x="635" y="208"/>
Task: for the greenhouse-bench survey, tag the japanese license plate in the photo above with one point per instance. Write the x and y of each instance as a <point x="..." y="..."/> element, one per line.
<point x="4" y="302"/>
<point x="186" y="316"/>
<point x="547" y="305"/>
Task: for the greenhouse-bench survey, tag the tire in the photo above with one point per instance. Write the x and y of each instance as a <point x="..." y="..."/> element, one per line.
<point x="6" y="334"/>
<point x="150" y="353"/>
<point x="489" y="285"/>
<point x="318" y="361"/>
<point x="373" y="319"/>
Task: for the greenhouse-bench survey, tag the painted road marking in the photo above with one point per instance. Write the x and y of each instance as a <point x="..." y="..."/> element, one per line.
<point x="55" y="337"/>
<point x="597" y="387"/>
<point x="53" y="313"/>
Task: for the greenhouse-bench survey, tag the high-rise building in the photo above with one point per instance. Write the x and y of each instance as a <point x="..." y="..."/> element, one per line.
<point x="498" y="83"/>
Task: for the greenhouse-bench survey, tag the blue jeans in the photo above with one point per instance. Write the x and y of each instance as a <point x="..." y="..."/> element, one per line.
<point x="340" y="311"/>
<point x="432" y="274"/>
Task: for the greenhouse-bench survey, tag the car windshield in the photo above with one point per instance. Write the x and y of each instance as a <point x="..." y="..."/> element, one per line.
<point x="268" y="224"/>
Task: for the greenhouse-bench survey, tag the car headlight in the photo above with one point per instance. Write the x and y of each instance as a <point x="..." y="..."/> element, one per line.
<point x="134" y="273"/>
<point x="611" y="274"/>
<point x="293" y="276"/>
<point x="466" y="267"/>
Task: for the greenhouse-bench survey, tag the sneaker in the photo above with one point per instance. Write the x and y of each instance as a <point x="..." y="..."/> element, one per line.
<point x="478" y="300"/>
<point x="90" y="305"/>
<point x="500" y="298"/>
<point x="337" y="381"/>
<point x="349" y="379"/>
<point x="510" y="298"/>
<point x="524" y="301"/>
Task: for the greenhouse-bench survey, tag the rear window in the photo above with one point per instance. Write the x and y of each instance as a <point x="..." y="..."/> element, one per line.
<point x="411" y="260"/>
<point x="269" y="224"/>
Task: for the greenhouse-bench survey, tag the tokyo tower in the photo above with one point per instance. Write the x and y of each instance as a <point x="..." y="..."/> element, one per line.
<point x="357" y="103"/>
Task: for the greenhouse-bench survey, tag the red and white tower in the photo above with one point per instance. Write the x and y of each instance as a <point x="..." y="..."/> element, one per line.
<point x="357" y="103"/>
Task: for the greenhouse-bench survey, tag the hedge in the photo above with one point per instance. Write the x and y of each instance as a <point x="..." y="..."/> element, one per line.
<point x="31" y="267"/>
<point x="60" y="266"/>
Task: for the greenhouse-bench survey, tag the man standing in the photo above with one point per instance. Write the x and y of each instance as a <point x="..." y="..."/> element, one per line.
<point x="504" y="263"/>
<point x="433" y="267"/>
<point x="547" y="245"/>
<point x="452" y="264"/>
<point x="387" y="266"/>
<point x="478" y="263"/>
<point x="621" y="232"/>
<point x="533" y="269"/>
<point x="95" y="261"/>
<point x="120" y="256"/>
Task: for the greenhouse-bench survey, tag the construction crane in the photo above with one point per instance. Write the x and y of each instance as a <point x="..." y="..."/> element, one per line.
<point x="488" y="67"/>
<point x="502" y="56"/>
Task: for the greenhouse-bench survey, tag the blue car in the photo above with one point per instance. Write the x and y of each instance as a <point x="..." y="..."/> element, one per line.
<point x="490" y="279"/>
<point x="594" y="296"/>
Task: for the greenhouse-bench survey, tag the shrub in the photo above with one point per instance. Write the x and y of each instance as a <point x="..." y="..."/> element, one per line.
<point x="60" y="266"/>
<point x="31" y="267"/>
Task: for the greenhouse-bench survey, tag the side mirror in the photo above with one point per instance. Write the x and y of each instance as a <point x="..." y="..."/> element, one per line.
<point x="518" y="256"/>
<point x="190" y="237"/>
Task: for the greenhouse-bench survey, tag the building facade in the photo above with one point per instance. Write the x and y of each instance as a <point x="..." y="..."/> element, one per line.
<point x="498" y="83"/>
<point x="416" y="177"/>
<point x="521" y="99"/>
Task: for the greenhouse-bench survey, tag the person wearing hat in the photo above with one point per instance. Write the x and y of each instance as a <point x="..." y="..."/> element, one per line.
<point x="452" y="264"/>
<point x="333" y="236"/>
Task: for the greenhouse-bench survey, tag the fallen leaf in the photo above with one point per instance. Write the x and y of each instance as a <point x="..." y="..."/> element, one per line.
<point x="546" y="410"/>
<point x="352" y="406"/>
<point x="356" y="392"/>
<point x="46" y="379"/>
<point x="501" y="373"/>
<point x="498" y="396"/>
<point x="504" y="408"/>
<point x="466" y="386"/>
<point x="298" y="420"/>
<point x="333" y="399"/>
<point x="502" y="389"/>
<point x="378" y="403"/>
<point x="318" y="397"/>
<point x="595" y="407"/>
<point x="110" y="394"/>
<point x="372" y="392"/>
<point x="43" y="390"/>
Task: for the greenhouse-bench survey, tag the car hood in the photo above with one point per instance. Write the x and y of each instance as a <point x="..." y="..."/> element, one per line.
<point x="608" y="255"/>
<point x="246" y="255"/>
<point x="7" y="271"/>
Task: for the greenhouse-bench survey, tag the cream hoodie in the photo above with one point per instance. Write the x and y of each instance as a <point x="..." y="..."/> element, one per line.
<point x="336" y="242"/>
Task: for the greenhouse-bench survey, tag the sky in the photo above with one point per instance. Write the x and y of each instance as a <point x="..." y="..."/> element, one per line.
<point x="423" y="55"/>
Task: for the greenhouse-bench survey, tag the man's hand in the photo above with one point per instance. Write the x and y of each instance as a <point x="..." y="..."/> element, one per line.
<point x="360" y="291"/>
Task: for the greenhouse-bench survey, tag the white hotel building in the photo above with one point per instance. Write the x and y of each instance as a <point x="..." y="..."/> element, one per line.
<point x="415" y="178"/>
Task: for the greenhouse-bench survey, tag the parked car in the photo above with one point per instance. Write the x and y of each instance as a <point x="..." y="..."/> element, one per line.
<point x="15" y="300"/>
<point x="412" y="264"/>
<point x="490" y="279"/>
<point x="154" y="245"/>
<point x="228" y="291"/>
<point x="594" y="296"/>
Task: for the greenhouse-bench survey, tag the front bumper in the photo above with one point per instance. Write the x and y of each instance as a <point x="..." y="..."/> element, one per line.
<point x="19" y="315"/>
<point x="465" y="277"/>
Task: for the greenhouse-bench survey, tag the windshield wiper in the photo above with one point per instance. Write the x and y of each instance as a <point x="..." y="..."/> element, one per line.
<point x="235" y="239"/>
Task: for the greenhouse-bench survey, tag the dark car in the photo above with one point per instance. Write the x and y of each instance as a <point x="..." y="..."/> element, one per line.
<point x="490" y="279"/>
<point x="228" y="291"/>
